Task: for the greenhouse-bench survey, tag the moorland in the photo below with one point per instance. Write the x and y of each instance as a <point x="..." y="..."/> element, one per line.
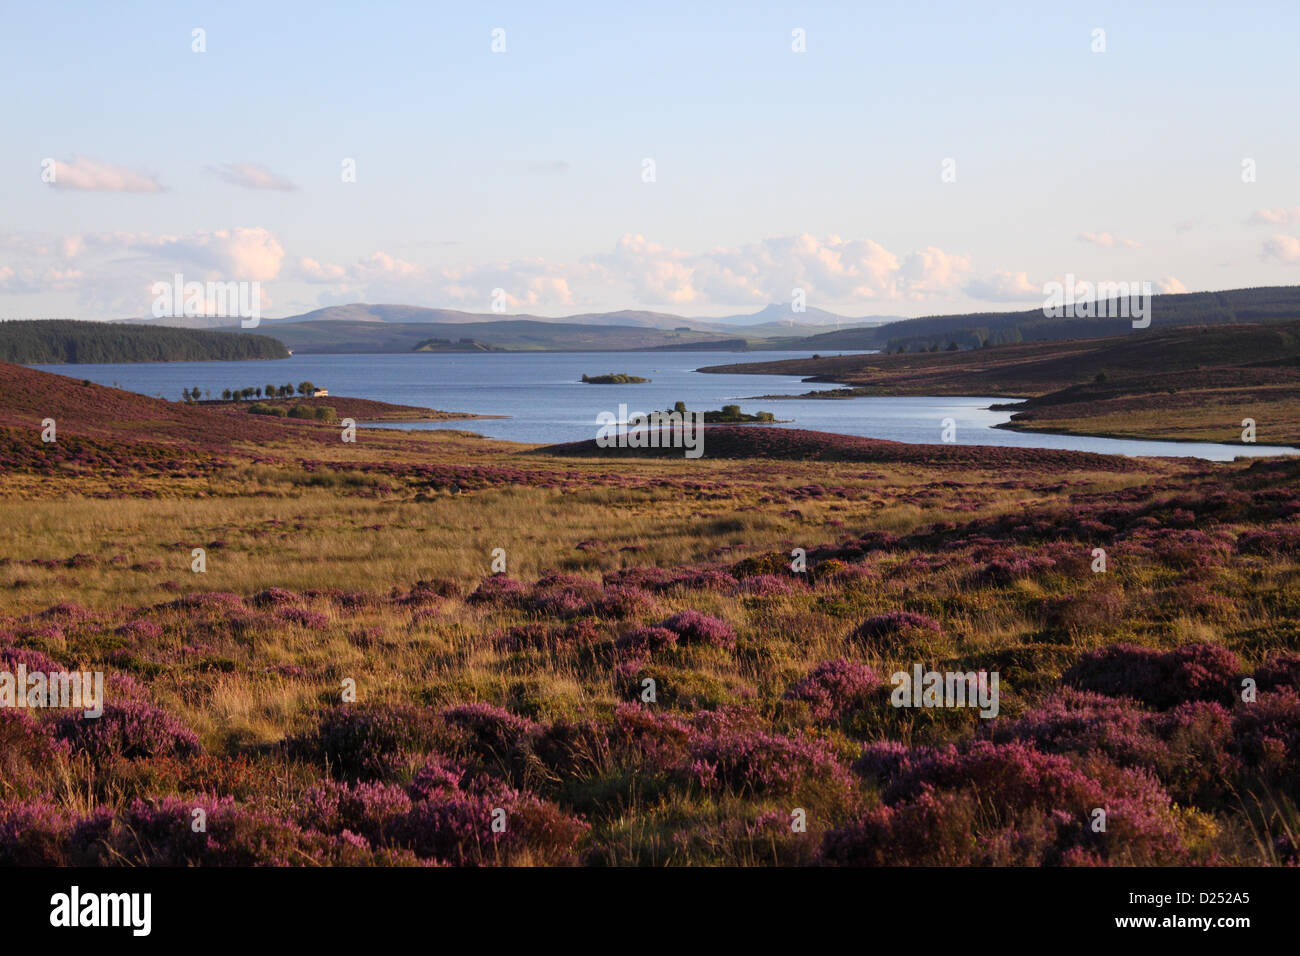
<point x="1193" y="383"/>
<point x="431" y="648"/>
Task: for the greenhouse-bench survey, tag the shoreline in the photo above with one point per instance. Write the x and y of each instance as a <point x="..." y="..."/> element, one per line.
<point x="1013" y="426"/>
<point x="1010" y="425"/>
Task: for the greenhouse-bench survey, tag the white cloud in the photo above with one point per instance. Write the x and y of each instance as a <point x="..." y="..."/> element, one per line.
<point x="834" y="273"/>
<point x="239" y="253"/>
<point x="1004" y="287"/>
<point x="29" y="280"/>
<point x="110" y="274"/>
<point x="1284" y="249"/>
<point x="312" y="271"/>
<point x="251" y="176"/>
<point x="529" y="283"/>
<point x="1106" y="240"/>
<point x="933" y="270"/>
<point x="827" y="269"/>
<point x="82" y="173"/>
<point x="1274" y="217"/>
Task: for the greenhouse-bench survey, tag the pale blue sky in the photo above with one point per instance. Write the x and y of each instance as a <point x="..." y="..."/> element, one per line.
<point x="522" y="170"/>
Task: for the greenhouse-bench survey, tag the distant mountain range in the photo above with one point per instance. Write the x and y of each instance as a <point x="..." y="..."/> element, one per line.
<point x="360" y="327"/>
<point x="774" y="318"/>
<point x="403" y="328"/>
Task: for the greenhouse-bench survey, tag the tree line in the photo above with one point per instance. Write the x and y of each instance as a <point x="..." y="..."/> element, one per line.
<point x="287" y="390"/>
<point x="59" y="342"/>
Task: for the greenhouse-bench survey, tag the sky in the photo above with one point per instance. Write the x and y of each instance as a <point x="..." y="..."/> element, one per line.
<point x="699" y="158"/>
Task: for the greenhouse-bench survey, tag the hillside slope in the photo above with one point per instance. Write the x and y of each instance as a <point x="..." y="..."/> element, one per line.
<point x="55" y="342"/>
<point x="515" y="335"/>
<point x="972" y="330"/>
<point x="1195" y="383"/>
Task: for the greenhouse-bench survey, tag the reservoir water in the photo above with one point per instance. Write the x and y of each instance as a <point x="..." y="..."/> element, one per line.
<point x="545" y="402"/>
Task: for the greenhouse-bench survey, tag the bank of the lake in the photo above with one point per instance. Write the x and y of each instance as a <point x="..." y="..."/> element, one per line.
<point x="546" y="403"/>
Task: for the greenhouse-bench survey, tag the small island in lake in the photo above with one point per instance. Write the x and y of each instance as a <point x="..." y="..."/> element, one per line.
<point x="732" y="415"/>
<point x="619" y="378"/>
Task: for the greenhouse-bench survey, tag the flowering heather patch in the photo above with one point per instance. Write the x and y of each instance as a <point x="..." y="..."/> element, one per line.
<point x="429" y="592"/>
<point x="1080" y="614"/>
<point x="363" y="808"/>
<point x="622" y="601"/>
<point x="882" y="759"/>
<point x="662" y="580"/>
<point x="492" y="733"/>
<point x="1196" y="599"/>
<point x="1178" y="548"/>
<point x="367" y="742"/>
<point x="499" y="590"/>
<point x="212" y="601"/>
<point x="580" y="634"/>
<point x="1280" y="670"/>
<point x="1187" y="747"/>
<point x="1006" y="804"/>
<point x="157" y="832"/>
<point x="770" y="585"/>
<point x="1001" y="572"/>
<point x="366" y="637"/>
<point x="573" y="748"/>
<point x="834" y="688"/>
<point x="692" y="627"/>
<point x="69" y="612"/>
<point x="1082" y="722"/>
<point x="28" y="751"/>
<point x="141" y="630"/>
<point x="749" y="760"/>
<point x="446" y="816"/>
<point x="727" y="750"/>
<point x="30" y="658"/>
<point x="650" y="739"/>
<point x="1279" y="540"/>
<point x="749" y="442"/>
<point x="303" y="617"/>
<point x="457" y="829"/>
<point x="355" y="600"/>
<point x="1266" y="735"/>
<point x="847" y="577"/>
<point x="35" y="833"/>
<point x="1160" y="679"/>
<point x="879" y="631"/>
<point x="129" y="728"/>
<point x="274" y="597"/>
<point x="564" y="595"/>
<point x="647" y="640"/>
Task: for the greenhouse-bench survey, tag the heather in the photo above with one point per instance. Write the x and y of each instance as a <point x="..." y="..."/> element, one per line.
<point x="650" y="681"/>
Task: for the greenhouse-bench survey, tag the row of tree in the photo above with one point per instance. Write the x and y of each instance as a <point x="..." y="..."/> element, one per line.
<point x="288" y="390"/>
<point x="59" y="341"/>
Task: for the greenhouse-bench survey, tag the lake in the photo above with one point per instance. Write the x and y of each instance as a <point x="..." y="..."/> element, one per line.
<point x="545" y="402"/>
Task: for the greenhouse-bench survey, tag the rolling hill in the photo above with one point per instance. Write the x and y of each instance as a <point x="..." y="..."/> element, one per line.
<point x="55" y="342"/>
<point x="973" y="330"/>
<point x="1192" y="383"/>
<point x="515" y="335"/>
